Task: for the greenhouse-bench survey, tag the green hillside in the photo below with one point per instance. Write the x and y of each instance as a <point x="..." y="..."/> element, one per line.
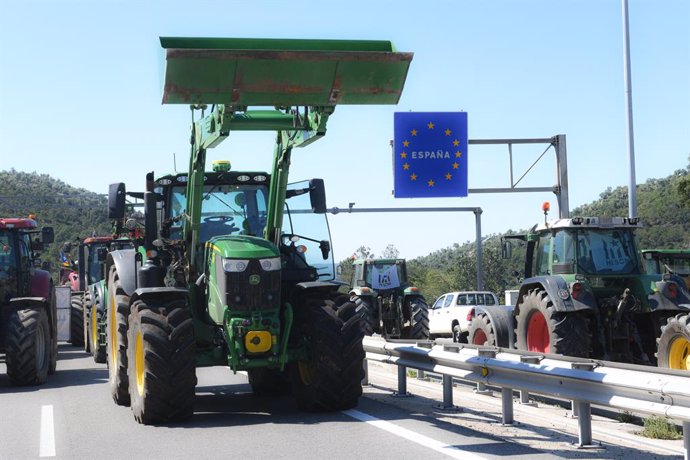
<point x="72" y="212"/>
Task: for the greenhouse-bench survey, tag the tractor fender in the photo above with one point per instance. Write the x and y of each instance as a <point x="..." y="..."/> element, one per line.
<point x="159" y="293"/>
<point x="502" y="319"/>
<point x="557" y="289"/>
<point x="40" y="284"/>
<point x="670" y="294"/>
<point x="125" y="264"/>
<point x="363" y="292"/>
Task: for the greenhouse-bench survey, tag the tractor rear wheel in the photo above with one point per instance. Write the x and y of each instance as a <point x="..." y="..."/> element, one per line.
<point x="76" y="321"/>
<point x="482" y="331"/>
<point x="95" y="318"/>
<point x="673" y="345"/>
<point x="330" y="378"/>
<point x="542" y="329"/>
<point x="162" y="361"/>
<point x="86" y="310"/>
<point x="368" y="309"/>
<point x="52" y="334"/>
<point x="116" y="331"/>
<point x="419" y="320"/>
<point x="28" y="346"/>
<point x="269" y="382"/>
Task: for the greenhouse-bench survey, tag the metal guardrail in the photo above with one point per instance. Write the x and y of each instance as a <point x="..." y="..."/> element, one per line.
<point x="653" y="391"/>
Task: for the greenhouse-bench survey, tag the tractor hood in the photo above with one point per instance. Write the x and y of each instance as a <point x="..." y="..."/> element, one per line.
<point x="282" y="72"/>
<point x="242" y="247"/>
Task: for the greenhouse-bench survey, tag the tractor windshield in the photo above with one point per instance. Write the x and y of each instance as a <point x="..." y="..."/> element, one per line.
<point x="384" y="275"/>
<point x="602" y="251"/>
<point x="95" y="265"/>
<point x="225" y="210"/>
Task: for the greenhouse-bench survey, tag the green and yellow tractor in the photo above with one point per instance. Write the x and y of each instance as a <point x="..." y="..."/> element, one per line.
<point x="236" y="267"/>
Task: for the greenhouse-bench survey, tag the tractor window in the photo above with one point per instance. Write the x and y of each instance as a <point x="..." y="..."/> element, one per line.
<point x="563" y="248"/>
<point x="7" y="255"/>
<point x="94" y="264"/>
<point x="678" y="265"/>
<point x="606" y="251"/>
<point x="542" y="250"/>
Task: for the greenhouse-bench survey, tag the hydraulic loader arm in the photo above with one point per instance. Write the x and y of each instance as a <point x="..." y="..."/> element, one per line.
<point x="297" y="84"/>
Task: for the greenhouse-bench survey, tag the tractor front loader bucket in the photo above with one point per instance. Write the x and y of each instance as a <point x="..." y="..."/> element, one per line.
<point x="282" y="73"/>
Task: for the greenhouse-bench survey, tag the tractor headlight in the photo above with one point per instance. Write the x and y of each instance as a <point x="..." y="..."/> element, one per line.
<point x="271" y="264"/>
<point x="235" y="265"/>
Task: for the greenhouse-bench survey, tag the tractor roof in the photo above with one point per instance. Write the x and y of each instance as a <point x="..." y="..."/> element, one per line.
<point x="98" y="239"/>
<point x="589" y="222"/>
<point x="17" y="222"/>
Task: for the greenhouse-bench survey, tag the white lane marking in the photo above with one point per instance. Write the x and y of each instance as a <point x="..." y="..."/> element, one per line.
<point x="420" y="439"/>
<point x="47" y="448"/>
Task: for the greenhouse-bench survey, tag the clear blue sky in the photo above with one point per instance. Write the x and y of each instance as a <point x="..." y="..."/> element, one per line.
<point x="80" y="98"/>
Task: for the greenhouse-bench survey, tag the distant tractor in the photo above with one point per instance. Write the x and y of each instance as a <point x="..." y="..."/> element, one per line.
<point x="28" y="316"/>
<point x="393" y="308"/>
<point x="586" y="294"/>
<point x="668" y="261"/>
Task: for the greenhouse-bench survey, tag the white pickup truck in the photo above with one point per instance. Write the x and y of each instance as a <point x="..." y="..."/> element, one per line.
<point x="451" y="314"/>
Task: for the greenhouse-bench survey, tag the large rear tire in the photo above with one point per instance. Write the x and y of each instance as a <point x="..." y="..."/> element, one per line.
<point x="542" y="329"/>
<point x="419" y="320"/>
<point x="86" y="309"/>
<point x="116" y="331"/>
<point x="673" y="349"/>
<point x="76" y="321"/>
<point x="330" y="379"/>
<point x="52" y="365"/>
<point x="482" y="331"/>
<point x="28" y="349"/>
<point x="98" y="347"/>
<point x="370" y="319"/>
<point x="162" y="361"/>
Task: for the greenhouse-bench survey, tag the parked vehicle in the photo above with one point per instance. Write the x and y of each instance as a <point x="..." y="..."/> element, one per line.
<point x="451" y="314"/>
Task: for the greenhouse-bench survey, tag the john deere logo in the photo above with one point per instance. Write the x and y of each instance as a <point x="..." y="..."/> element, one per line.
<point x="254" y="279"/>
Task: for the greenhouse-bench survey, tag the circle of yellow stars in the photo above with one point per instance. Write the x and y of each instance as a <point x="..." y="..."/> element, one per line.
<point x="455" y="165"/>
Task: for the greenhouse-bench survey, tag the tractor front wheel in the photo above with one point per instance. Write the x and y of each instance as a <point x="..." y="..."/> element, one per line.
<point x="330" y="378"/>
<point x="76" y="321"/>
<point x="673" y="349"/>
<point x="86" y="310"/>
<point x="542" y="329"/>
<point x="162" y="361"/>
<point x="116" y="331"/>
<point x="28" y="346"/>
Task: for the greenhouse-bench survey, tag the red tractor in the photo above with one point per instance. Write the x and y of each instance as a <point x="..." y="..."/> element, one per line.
<point x="28" y="317"/>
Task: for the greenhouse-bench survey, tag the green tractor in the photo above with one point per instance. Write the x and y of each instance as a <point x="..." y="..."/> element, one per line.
<point x="391" y="306"/>
<point x="668" y="261"/>
<point x="236" y="267"/>
<point x="586" y="294"/>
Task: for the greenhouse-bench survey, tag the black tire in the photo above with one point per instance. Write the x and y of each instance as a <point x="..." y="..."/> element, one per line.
<point x="116" y="341"/>
<point x="162" y="361"/>
<point x="563" y="333"/>
<point x="269" y="382"/>
<point x="673" y="345"/>
<point x="330" y="379"/>
<point x="96" y="331"/>
<point x="418" y="328"/>
<point x="76" y="321"/>
<point x="86" y="310"/>
<point x="28" y="347"/>
<point x="52" y="365"/>
<point x="369" y="314"/>
<point x="482" y="331"/>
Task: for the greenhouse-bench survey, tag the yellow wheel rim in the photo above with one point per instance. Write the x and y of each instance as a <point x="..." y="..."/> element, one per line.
<point x="139" y="367"/>
<point x="304" y="372"/>
<point x="112" y="324"/>
<point x="679" y="354"/>
<point x="94" y="329"/>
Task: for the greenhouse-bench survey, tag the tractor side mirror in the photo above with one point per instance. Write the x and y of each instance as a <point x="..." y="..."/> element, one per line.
<point x="116" y="201"/>
<point x="47" y="235"/>
<point x="317" y="196"/>
<point x="506" y="249"/>
<point x="325" y="247"/>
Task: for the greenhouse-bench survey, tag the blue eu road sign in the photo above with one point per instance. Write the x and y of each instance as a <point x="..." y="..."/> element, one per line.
<point x="430" y="154"/>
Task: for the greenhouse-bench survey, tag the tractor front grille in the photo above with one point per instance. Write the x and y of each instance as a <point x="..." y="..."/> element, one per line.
<point x="254" y="289"/>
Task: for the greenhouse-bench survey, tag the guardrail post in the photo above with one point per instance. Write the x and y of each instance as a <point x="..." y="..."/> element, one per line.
<point x="448" y="405"/>
<point x="583" y="411"/>
<point x="686" y="440"/>
<point x="402" y="383"/>
<point x="524" y="395"/>
<point x="507" y="405"/>
<point x="481" y="386"/>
